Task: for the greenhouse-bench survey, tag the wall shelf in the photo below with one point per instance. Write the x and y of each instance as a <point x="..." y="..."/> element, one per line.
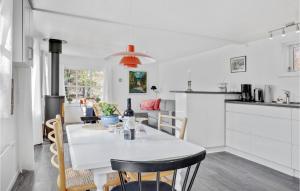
<point x="289" y="75"/>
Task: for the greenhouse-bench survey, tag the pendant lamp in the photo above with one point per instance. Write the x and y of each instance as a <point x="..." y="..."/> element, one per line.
<point x="130" y="58"/>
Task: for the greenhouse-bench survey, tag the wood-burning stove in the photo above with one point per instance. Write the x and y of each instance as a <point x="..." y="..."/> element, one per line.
<point x="54" y="103"/>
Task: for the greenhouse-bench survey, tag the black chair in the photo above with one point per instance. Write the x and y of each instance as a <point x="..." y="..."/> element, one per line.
<point x="156" y="166"/>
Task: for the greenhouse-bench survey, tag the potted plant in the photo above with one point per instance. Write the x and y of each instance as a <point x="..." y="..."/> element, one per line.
<point x="69" y="99"/>
<point x="108" y="114"/>
<point x="98" y="100"/>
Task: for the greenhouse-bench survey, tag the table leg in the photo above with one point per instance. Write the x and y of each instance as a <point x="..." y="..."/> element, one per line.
<point x="178" y="185"/>
<point x="100" y="180"/>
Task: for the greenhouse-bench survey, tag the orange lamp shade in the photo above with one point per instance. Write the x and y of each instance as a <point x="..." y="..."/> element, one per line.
<point x="130" y="58"/>
<point x="130" y="48"/>
<point x="130" y="61"/>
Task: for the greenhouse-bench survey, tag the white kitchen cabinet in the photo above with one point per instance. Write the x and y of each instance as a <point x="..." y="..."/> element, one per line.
<point x="296" y="114"/>
<point x="296" y="139"/>
<point x="296" y="157"/>
<point x="295" y="132"/>
<point x="22" y="62"/>
<point x="205" y="113"/>
<point x="268" y="135"/>
<point x="22" y="35"/>
<point x="257" y="125"/>
<point x="268" y="111"/>
<point x="260" y="136"/>
<point x="268" y="149"/>
<point x="239" y="140"/>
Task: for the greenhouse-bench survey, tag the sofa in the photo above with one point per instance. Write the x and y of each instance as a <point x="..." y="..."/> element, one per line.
<point x="167" y="107"/>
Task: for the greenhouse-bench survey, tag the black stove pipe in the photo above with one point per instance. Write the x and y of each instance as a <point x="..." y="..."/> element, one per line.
<point x="54" y="104"/>
<point x="55" y="48"/>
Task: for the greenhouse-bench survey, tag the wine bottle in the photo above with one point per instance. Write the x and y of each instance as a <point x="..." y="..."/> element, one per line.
<point x="129" y="122"/>
<point x="128" y="112"/>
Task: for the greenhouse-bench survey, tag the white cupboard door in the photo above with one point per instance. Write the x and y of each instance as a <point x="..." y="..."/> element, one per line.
<point x="18" y="31"/>
<point x="181" y="105"/>
<point x="27" y="38"/>
<point x="238" y="122"/>
<point x="275" y="151"/>
<point x="206" y="120"/>
<point x="23" y="41"/>
<point x="296" y="133"/>
<point x="238" y="140"/>
<point x="296" y="140"/>
<point x="296" y="157"/>
<point x="268" y="111"/>
<point x="296" y="114"/>
<point x="277" y="129"/>
<point x="262" y="131"/>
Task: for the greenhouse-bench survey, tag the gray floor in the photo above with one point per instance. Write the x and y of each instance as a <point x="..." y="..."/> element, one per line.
<point x="219" y="172"/>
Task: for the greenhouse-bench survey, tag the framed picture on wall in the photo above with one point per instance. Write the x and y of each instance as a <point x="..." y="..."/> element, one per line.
<point x="137" y="82"/>
<point x="238" y="64"/>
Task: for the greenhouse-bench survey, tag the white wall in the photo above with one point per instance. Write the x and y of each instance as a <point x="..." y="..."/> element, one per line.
<point x="24" y="117"/>
<point x="9" y="167"/>
<point x="266" y="61"/>
<point x="36" y="91"/>
<point x="120" y="90"/>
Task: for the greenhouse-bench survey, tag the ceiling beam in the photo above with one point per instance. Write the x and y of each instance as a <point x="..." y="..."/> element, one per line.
<point x="132" y="25"/>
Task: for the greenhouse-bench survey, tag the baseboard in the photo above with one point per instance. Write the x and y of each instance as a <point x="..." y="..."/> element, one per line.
<point x="13" y="181"/>
<point x="297" y="173"/>
<point x="256" y="159"/>
<point x="267" y="163"/>
<point x="215" y="149"/>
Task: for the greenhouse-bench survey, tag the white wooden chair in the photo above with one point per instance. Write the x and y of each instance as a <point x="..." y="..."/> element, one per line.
<point x="68" y="179"/>
<point x="167" y="175"/>
<point x="180" y="129"/>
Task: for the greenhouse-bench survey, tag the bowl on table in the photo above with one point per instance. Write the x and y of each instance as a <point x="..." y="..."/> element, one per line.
<point x="109" y="120"/>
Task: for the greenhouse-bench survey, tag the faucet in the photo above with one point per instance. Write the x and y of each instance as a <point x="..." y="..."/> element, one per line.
<point x="287" y="96"/>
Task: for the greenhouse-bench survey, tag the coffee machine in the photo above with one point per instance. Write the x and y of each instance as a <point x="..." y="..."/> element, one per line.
<point x="246" y="90"/>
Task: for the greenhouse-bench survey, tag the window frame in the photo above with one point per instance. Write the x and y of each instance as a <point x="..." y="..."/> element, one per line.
<point x="77" y="86"/>
<point x="291" y="50"/>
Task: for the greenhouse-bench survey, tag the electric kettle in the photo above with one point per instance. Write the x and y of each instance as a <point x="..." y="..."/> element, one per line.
<point x="258" y="95"/>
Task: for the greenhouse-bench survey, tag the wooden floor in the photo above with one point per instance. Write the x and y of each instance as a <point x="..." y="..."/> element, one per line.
<point x="219" y="172"/>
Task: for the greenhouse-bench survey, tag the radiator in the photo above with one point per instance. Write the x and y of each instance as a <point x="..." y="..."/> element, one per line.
<point x="8" y="167"/>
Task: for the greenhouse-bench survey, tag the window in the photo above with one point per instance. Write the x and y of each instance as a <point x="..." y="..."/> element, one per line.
<point x="294" y="51"/>
<point x="83" y="84"/>
<point x="296" y="58"/>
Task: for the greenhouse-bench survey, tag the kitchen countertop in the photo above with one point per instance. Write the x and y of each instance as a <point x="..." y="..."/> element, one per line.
<point x="273" y="104"/>
<point x="203" y="92"/>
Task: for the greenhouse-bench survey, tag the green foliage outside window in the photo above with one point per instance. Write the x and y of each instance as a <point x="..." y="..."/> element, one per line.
<point x="83" y="84"/>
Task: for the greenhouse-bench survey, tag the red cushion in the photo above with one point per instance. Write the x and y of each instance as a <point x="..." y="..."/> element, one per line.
<point x="157" y="104"/>
<point x="151" y="104"/>
<point x="147" y="105"/>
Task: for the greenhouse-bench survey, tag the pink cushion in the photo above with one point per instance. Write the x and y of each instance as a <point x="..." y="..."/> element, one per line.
<point x="151" y="104"/>
<point x="157" y="104"/>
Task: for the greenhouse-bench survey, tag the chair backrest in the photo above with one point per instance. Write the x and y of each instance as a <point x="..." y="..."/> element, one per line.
<point x="57" y="148"/>
<point x="97" y="109"/>
<point x="158" y="166"/>
<point x="181" y="129"/>
<point x="118" y="110"/>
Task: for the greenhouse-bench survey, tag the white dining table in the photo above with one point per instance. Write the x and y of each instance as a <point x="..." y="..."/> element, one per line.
<point x="92" y="149"/>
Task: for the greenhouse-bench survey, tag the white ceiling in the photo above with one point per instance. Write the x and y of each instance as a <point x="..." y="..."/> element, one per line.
<point x="165" y="29"/>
